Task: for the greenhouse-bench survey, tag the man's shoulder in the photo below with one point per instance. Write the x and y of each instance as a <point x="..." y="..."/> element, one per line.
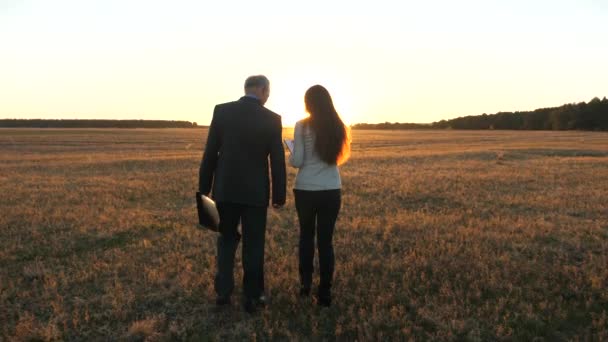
<point x="269" y="114"/>
<point x="272" y="114"/>
<point x="232" y="105"/>
<point x="225" y="105"/>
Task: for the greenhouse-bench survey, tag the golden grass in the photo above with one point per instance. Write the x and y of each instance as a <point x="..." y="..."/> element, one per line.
<point x="443" y="235"/>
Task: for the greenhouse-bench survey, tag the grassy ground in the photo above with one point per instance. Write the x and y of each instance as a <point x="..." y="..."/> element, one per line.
<point x="443" y="235"/>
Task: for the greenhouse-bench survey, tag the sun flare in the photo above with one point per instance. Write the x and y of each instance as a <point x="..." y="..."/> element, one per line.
<point x="287" y="97"/>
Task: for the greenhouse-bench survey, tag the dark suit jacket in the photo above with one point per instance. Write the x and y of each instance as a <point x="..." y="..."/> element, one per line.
<point x="242" y="135"/>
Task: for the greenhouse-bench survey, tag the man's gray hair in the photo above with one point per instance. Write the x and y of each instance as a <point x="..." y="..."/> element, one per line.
<point x="257" y="81"/>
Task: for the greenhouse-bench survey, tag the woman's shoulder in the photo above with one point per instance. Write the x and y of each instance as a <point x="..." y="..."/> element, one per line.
<point x="302" y="122"/>
<point x="304" y="126"/>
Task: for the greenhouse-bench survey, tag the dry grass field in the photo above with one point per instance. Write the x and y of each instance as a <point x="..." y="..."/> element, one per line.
<point x="443" y="235"/>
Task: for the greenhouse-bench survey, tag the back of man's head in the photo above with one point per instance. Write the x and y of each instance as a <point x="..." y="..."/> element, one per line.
<point x="259" y="86"/>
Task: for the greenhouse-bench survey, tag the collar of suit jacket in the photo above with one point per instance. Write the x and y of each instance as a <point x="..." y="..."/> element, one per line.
<point x="251" y="99"/>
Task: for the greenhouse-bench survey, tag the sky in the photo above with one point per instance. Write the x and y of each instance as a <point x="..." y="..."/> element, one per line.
<point x="382" y="60"/>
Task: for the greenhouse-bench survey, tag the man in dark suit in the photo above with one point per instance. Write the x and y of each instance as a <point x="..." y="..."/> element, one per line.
<point x="242" y="136"/>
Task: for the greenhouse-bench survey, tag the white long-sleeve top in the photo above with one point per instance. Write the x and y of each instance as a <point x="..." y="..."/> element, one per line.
<point x="313" y="173"/>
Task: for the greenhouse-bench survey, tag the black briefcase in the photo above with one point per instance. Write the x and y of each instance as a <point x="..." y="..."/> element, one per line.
<point x="208" y="217"/>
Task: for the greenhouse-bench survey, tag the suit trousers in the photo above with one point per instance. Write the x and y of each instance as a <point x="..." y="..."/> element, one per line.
<point x="317" y="213"/>
<point x="253" y="228"/>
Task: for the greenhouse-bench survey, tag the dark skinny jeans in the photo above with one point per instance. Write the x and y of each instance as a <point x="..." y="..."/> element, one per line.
<point x="317" y="213"/>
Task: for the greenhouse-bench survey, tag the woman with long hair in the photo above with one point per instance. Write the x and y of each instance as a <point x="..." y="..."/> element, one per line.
<point x="322" y="142"/>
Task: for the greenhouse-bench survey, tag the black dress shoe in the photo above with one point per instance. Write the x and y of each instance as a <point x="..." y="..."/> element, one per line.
<point x="249" y="305"/>
<point x="324" y="298"/>
<point x="221" y="301"/>
<point x="324" y="301"/>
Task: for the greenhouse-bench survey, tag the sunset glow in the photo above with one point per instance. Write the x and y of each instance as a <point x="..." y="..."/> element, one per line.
<point x="287" y="95"/>
<point x="381" y="61"/>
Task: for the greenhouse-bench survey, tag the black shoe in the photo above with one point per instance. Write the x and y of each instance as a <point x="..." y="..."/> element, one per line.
<point x="304" y="292"/>
<point x="221" y="301"/>
<point x="324" y="301"/>
<point x="324" y="298"/>
<point x="249" y="305"/>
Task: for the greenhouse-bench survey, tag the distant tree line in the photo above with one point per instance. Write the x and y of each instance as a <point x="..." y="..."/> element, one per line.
<point x="75" y="123"/>
<point x="591" y="116"/>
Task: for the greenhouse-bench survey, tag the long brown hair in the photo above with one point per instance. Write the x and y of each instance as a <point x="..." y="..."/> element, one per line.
<point x="332" y="137"/>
